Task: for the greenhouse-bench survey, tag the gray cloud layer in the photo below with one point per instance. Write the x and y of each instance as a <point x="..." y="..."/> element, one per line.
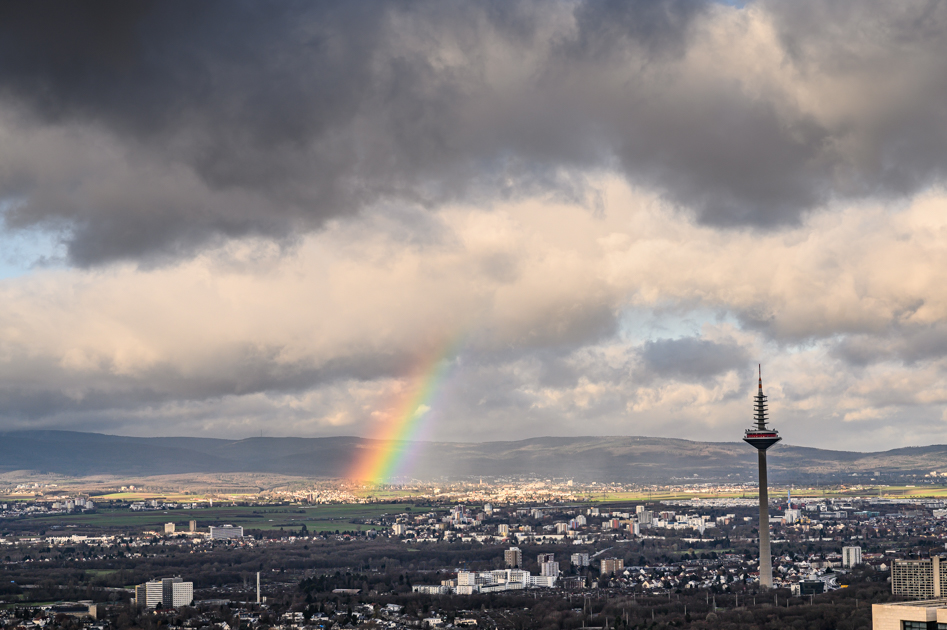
<point x="230" y="118"/>
<point x="277" y="213"/>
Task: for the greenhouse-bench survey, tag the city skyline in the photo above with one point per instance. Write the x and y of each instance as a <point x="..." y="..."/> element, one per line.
<point x="472" y="222"/>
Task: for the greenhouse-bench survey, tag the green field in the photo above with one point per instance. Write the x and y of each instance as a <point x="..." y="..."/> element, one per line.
<point x="316" y="518"/>
<point x="908" y="492"/>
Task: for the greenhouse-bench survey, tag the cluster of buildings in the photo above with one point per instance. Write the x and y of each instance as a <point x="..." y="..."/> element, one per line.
<point x="155" y="504"/>
<point x="61" y="505"/>
<point x="547" y="524"/>
<point x="511" y="578"/>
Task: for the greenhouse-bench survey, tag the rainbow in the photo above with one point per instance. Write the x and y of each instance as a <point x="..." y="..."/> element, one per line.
<point x="402" y="427"/>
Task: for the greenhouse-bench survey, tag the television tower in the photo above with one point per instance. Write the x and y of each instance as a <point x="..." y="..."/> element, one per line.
<point x="761" y="438"/>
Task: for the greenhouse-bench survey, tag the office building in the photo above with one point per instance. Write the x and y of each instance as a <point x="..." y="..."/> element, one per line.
<point x="851" y="556"/>
<point x="761" y="438"/>
<point x="513" y="557"/>
<point x="226" y="532"/>
<point x="919" y="579"/>
<point x="169" y="528"/>
<point x="612" y="565"/>
<point x="923" y="615"/>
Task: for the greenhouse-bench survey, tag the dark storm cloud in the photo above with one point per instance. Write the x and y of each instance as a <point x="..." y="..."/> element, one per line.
<point x="234" y="118"/>
<point x="691" y="358"/>
<point x="905" y="344"/>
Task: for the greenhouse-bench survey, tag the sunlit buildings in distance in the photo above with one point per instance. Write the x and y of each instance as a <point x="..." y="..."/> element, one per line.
<point x="169" y="528"/>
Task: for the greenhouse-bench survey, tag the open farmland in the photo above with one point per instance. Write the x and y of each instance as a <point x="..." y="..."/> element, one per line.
<point x="315" y="518"/>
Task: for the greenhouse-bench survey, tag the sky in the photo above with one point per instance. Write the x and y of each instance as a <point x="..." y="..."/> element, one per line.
<point x="587" y="218"/>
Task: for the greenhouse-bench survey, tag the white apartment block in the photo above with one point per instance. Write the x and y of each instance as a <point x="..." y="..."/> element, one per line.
<point x="851" y="556"/>
<point x="170" y="592"/>
<point x="226" y="532"/>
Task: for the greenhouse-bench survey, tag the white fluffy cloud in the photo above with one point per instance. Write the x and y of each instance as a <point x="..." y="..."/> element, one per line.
<point x="565" y="317"/>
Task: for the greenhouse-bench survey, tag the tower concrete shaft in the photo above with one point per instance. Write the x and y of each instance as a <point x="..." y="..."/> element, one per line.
<point x="766" y="559"/>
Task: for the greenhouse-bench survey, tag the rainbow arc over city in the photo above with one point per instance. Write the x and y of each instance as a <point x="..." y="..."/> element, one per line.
<point x="407" y="418"/>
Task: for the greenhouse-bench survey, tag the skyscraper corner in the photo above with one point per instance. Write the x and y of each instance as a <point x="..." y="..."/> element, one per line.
<point x="761" y="438"/>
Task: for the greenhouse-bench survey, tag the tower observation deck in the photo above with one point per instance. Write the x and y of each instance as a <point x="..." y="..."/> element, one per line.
<point x="761" y="438"/>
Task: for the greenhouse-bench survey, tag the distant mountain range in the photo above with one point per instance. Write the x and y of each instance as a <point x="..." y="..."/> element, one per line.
<point x="626" y="459"/>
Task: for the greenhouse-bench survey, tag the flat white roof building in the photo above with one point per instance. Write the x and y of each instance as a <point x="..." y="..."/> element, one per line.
<point x="929" y="614"/>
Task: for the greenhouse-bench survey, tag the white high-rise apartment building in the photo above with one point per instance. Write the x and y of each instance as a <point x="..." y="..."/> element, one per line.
<point x="149" y="594"/>
<point x="226" y="532"/>
<point x="169" y="528"/>
<point x="580" y="559"/>
<point x="182" y="594"/>
<point x="549" y="569"/>
<point x="168" y="592"/>
<point x="851" y="556"/>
